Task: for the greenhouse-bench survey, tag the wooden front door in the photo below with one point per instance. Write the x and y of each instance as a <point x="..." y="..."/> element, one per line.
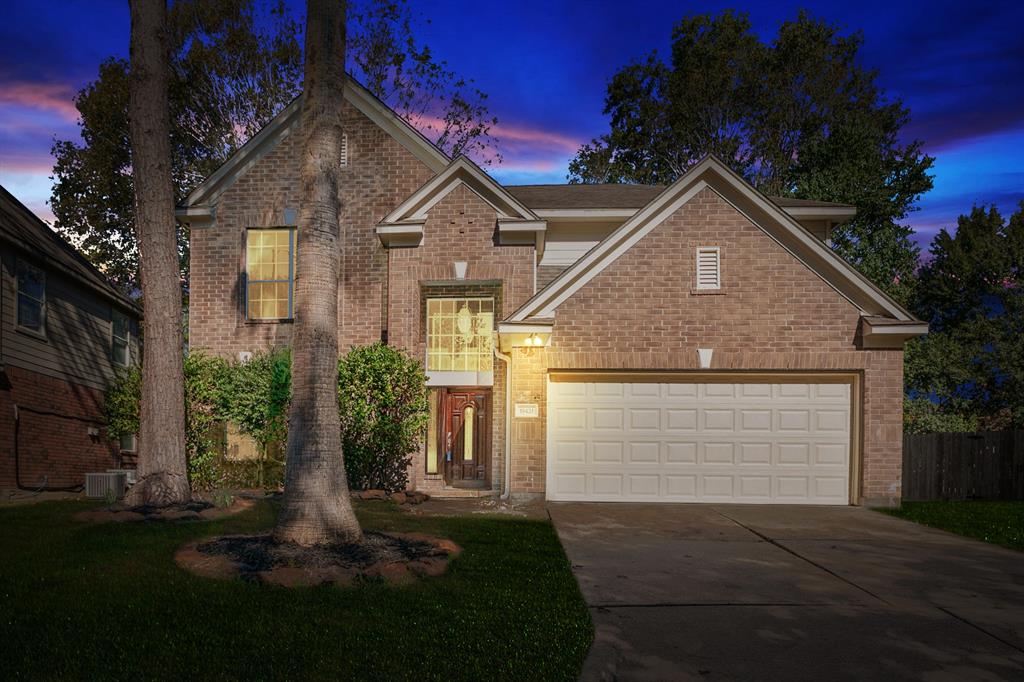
<point x="466" y="437"/>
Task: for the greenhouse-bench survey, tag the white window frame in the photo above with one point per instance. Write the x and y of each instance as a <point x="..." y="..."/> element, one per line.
<point x="704" y="250"/>
<point x="457" y="377"/>
<point x="127" y="339"/>
<point x="18" y="293"/>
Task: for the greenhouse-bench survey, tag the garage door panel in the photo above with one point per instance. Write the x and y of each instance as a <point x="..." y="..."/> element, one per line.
<point x="784" y="442"/>
<point x="607" y="452"/>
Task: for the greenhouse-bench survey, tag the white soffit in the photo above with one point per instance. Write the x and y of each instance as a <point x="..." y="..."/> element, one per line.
<point x="761" y="211"/>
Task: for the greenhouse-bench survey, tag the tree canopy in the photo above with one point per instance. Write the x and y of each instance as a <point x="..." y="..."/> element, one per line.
<point x="798" y="117"/>
<point x="234" y="65"/>
<point x="970" y="367"/>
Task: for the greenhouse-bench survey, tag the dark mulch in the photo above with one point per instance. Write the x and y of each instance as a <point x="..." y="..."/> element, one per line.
<point x="152" y="510"/>
<point x="255" y="553"/>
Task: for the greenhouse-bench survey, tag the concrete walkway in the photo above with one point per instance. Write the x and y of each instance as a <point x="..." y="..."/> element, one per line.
<point x="697" y="592"/>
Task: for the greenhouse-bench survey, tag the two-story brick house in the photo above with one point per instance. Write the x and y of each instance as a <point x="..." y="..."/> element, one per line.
<point x="697" y="342"/>
<point x="64" y="333"/>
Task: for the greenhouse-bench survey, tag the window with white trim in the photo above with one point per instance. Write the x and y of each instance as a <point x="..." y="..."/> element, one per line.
<point x="270" y="273"/>
<point x="120" y="339"/>
<point x="31" y="313"/>
<point x="459" y="343"/>
<point x="709" y="268"/>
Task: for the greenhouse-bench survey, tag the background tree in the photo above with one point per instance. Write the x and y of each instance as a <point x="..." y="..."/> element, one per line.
<point x="162" y="467"/>
<point x="234" y="65"/>
<point x="316" y="507"/>
<point x="970" y="368"/>
<point x="797" y="117"/>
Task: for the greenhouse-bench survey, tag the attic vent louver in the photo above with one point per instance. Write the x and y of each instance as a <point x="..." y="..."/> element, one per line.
<point x="709" y="268"/>
<point x="344" y="151"/>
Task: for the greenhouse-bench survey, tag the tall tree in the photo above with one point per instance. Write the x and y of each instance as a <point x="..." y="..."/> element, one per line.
<point x="163" y="468"/>
<point x="234" y="65"/>
<point x="797" y="117"/>
<point x="316" y="507"/>
<point x="971" y="366"/>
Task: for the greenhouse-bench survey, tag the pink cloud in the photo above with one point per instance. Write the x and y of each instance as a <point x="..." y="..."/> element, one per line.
<point x="529" y="136"/>
<point x="25" y="163"/>
<point x="55" y="97"/>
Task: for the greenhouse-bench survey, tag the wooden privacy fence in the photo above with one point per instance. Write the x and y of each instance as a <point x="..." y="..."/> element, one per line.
<point x="964" y="466"/>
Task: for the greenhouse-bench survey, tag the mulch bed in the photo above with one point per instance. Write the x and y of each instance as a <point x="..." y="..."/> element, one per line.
<point x="197" y="510"/>
<point x="396" y="558"/>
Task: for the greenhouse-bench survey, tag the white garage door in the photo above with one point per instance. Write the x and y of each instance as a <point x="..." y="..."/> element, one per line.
<point x="784" y="443"/>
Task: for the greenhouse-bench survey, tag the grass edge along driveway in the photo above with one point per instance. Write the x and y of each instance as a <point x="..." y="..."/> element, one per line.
<point x="80" y="601"/>
<point x="997" y="522"/>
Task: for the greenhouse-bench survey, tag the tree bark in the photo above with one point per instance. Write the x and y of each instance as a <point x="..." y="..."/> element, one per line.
<point x="163" y="465"/>
<point x="316" y="507"/>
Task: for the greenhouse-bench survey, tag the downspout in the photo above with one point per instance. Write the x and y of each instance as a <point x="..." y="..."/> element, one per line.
<point x="507" y="359"/>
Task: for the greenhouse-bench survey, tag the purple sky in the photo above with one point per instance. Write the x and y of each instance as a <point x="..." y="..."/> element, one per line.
<point x="959" y="66"/>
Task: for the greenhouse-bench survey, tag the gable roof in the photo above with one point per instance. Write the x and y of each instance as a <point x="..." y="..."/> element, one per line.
<point x="22" y="228"/>
<point x="759" y="209"/>
<point x="461" y="171"/>
<point x="286" y="121"/>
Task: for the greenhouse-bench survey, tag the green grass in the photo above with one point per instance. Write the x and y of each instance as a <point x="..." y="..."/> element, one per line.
<point x="1001" y="523"/>
<point x="106" y="601"/>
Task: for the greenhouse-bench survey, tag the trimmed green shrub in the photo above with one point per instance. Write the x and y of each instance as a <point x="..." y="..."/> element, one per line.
<point x="382" y="396"/>
<point x="203" y="374"/>
<point x="255" y="395"/>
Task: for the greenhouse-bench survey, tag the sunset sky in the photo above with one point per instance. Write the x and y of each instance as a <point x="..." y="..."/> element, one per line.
<point x="959" y="66"/>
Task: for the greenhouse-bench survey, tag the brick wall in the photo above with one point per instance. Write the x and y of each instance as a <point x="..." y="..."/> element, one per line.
<point x="379" y="175"/>
<point x="772" y="313"/>
<point x="460" y="227"/>
<point x="56" y="448"/>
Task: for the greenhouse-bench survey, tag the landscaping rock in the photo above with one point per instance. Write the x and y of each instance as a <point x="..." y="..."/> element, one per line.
<point x="373" y="495"/>
<point x="398" y="497"/>
<point x="416" y="497"/>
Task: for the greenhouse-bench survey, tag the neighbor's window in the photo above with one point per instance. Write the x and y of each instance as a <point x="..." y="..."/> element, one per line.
<point x="31" y="296"/>
<point x="270" y="274"/>
<point x="121" y="333"/>
<point x="459" y="334"/>
<point x="709" y="268"/>
<point x="128" y="442"/>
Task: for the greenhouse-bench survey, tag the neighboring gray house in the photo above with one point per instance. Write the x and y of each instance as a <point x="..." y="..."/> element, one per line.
<point x="64" y="331"/>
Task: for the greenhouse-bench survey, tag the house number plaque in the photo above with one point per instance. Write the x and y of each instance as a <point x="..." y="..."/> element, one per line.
<point x="527" y="410"/>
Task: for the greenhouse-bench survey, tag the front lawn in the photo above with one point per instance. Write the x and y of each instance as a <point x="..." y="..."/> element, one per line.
<point x="106" y="601"/>
<point x="1001" y="523"/>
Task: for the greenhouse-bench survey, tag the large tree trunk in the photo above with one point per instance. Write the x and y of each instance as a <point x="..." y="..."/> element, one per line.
<point x="163" y="467"/>
<point x="316" y="507"/>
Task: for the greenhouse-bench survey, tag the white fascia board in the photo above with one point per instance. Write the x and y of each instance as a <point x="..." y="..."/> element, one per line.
<point x="586" y="213"/>
<point x="821" y="212"/>
<point x="195" y="216"/>
<point x="522" y="225"/>
<point x="401" y="235"/>
<point x="407" y="135"/>
<point x="525" y="327"/>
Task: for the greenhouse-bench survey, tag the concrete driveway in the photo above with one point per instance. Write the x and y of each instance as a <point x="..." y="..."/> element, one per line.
<point x="700" y="592"/>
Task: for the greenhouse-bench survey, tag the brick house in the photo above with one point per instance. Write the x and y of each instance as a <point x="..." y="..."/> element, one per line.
<point x="64" y="332"/>
<point x="697" y="342"/>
